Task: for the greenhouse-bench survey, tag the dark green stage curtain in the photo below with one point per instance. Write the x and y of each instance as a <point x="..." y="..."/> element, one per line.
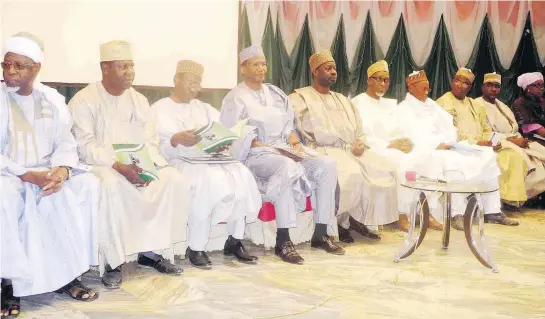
<point x="283" y="66"/>
<point x="441" y="64"/>
<point x="400" y="62"/>
<point x="270" y="48"/>
<point x="338" y="49"/>
<point x="244" y="36"/>
<point x="367" y="53"/>
<point x="304" y="48"/>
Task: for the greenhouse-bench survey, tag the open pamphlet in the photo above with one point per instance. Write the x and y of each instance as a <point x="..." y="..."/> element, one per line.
<point x="213" y="136"/>
<point x="208" y="159"/>
<point x="496" y="138"/>
<point x="138" y="155"/>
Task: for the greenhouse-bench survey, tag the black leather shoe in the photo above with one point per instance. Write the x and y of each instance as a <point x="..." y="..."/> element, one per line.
<point x="325" y="243"/>
<point x="112" y="278"/>
<point x="237" y="250"/>
<point x="457" y="222"/>
<point x="344" y="236"/>
<point x="501" y="219"/>
<point x="288" y="253"/>
<point x="161" y="265"/>
<point x="198" y="258"/>
<point x="362" y="229"/>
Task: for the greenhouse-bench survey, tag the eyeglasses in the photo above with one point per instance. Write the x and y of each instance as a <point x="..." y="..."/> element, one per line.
<point x="192" y="85"/>
<point x="537" y="86"/>
<point x="6" y="66"/>
<point x="381" y="80"/>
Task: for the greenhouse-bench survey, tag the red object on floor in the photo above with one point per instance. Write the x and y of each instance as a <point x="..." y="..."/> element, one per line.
<point x="268" y="213"/>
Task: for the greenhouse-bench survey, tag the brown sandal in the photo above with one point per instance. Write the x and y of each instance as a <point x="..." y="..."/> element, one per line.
<point x="75" y="286"/>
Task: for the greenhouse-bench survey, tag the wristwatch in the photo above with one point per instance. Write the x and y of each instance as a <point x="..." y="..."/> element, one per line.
<point x="69" y="170"/>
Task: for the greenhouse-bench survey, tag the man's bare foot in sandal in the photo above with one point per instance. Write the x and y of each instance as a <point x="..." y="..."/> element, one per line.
<point x="76" y="290"/>
<point x="10" y="305"/>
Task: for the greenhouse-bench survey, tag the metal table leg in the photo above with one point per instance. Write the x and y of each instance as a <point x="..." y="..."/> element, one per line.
<point x="410" y="244"/>
<point x="478" y="247"/>
<point x="447" y="216"/>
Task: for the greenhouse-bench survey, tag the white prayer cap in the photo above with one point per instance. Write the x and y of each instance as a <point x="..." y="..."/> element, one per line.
<point x="528" y="78"/>
<point x="253" y="51"/>
<point x="26" y="46"/>
<point x="115" y="51"/>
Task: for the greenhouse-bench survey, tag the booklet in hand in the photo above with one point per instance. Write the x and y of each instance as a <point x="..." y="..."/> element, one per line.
<point x="138" y="155"/>
<point x="213" y="136"/>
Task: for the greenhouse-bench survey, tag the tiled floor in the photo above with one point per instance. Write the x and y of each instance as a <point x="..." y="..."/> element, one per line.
<point x="365" y="283"/>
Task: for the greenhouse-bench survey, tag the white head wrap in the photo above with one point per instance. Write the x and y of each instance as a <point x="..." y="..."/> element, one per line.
<point x="253" y="51"/>
<point x="24" y="46"/>
<point x="528" y="78"/>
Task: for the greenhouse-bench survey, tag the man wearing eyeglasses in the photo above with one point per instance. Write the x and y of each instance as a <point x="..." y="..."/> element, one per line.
<point x="137" y="216"/>
<point x="471" y="123"/>
<point x="221" y="192"/>
<point x="47" y="204"/>
<point x="330" y="123"/>
<point x="505" y="128"/>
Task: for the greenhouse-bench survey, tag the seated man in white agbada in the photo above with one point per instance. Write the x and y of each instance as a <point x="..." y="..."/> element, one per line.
<point x="46" y="204"/>
<point x="137" y="216"/>
<point x="281" y="180"/>
<point x="221" y="192"/>
<point x="431" y="129"/>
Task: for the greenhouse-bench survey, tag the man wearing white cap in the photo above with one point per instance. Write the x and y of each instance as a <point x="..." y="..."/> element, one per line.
<point x="221" y="192"/>
<point x="135" y="215"/>
<point x="529" y="108"/>
<point x="330" y="123"/>
<point x="506" y="131"/>
<point x="47" y="204"/>
<point x="469" y="117"/>
<point x="283" y="178"/>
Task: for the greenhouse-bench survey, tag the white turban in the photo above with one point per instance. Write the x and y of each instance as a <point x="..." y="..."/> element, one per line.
<point x="24" y="46"/>
<point x="253" y="51"/>
<point x="528" y="78"/>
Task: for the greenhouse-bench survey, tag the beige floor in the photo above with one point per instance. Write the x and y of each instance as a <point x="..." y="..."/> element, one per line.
<point x="365" y="283"/>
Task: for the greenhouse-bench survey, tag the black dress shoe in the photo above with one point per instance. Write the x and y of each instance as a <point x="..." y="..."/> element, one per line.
<point x="325" y="243"/>
<point x="237" y="250"/>
<point x="198" y="258"/>
<point x="288" y="253"/>
<point x="362" y="229"/>
<point x="344" y="236"/>
<point x="112" y="278"/>
<point x="501" y="219"/>
<point x="161" y="265"/>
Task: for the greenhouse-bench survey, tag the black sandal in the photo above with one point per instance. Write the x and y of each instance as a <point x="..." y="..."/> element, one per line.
<point x="76" y="285"/>
<point x="9" y="304"/>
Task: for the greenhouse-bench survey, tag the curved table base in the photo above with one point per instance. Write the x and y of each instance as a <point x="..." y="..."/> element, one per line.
<point x="411" y="243"/>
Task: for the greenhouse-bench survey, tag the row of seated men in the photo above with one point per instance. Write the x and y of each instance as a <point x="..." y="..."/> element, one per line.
<point x="68" y="204"/>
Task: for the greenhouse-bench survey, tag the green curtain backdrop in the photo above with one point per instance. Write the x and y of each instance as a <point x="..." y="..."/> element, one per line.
<point x="293" y="70"/>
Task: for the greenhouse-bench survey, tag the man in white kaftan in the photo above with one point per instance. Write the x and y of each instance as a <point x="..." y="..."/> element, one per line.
<point x="135" y="215"/>
<point x="47" y="205"/>
<point x="221" y="192"/>
<point x="283" y="178"/>
<point x="506" y="132"/>
<point x="330" y="124"/>
<point x="431" y="129"/>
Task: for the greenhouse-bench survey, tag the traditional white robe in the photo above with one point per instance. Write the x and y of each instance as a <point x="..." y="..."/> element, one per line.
<point x="280" y="180"/>
<point x="427" y="125"/>
<point x="220" y="192"/>
<point x="330" y="124"/>
<point x="132" y="219"/>
<point x="46" y="242"/>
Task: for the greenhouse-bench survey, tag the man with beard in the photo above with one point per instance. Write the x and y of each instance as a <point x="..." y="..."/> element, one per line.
<point x="382" y="134"/>
<point x="529" y="108"/>
<point x="506" y="131"/>
<point x="283" y="178"/>
<point x="135" y="215"/>
<point x="47" y="203"/>
<point x="219" y="192"/>
<point x="329" y="123"/>
<point x="470" y="120"/>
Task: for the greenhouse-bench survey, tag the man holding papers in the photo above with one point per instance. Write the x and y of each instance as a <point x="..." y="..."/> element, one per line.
<point x="505" y="130"/>
<point x="469" y="117"/>
<point x="135" y="215"/>
<point x="437" y="155"/>
<point x="220" y="192"/>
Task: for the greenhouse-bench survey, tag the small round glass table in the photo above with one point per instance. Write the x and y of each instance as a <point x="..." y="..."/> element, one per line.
<point x="474" y="208"/>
